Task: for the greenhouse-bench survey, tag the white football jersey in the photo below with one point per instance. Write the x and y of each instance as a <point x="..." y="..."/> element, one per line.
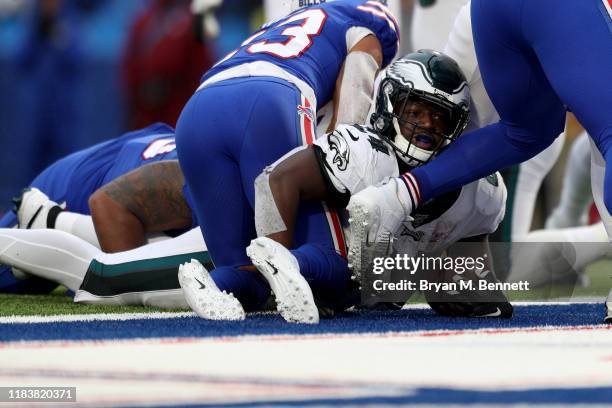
<point x="355" y="157"/>
<point x="478" y="209"/>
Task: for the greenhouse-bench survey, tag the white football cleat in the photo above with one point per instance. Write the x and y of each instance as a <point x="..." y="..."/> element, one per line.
<point x="277" y="264"/>
<point x="32" y="208"/>
<point x="375" y="215"/>
<point x="608" y="317"/>
<point x="203" y="295"/>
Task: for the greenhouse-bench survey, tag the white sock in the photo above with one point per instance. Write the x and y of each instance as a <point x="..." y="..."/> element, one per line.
<point x="576" y="194"/>
<point x="579" y="246"/>
<point x="78" y="224"/>
<point x="50" y="254"/>
<point x="531" y="174"/>
<point x="189" y="242"/>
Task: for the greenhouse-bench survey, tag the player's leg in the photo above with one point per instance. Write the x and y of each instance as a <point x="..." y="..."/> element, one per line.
<point x="316" y="222"/>
<point x="42" y="209"/>
<point x="146" y="276"/>
<point x="530" y="176"/>
<point x="554" y="255"/>
<point x="318" y="234"/>
<point x="432" y="21"/>
<point x="320" y="249"/>
<point x="36" y="210"/>
<point x="50" y="254"/>
<point x="460" y="47"/>
<point x="226" y="134"/>
<point x="532" y="115"/>
<point x="582" y="83"/>
<point x="576" y="193"/>
<point x="599" y="171"/>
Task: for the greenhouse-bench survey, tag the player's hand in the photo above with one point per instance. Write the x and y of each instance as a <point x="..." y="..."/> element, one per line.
<point x="375" y="214"/>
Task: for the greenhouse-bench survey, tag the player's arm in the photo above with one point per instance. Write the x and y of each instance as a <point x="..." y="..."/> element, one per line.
<point x="278" y="192"/>
<point x="148" y="199"/>
<point x="355" y="83"/>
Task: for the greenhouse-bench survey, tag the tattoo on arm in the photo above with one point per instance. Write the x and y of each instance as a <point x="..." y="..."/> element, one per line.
<point x="154" y="194"/>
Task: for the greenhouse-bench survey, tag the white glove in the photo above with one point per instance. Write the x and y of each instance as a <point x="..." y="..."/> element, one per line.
<point x="375" y="215"/>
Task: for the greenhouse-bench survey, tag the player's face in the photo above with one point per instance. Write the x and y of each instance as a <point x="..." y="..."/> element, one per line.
<point x="423" y="124"/>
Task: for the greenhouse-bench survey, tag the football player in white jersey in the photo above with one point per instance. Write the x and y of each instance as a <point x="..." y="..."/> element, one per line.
<point x="432" y="21"/>
<point x="421" y="105"/>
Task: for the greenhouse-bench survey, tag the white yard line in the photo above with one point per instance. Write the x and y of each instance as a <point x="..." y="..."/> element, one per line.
<point x="94" y="317"/>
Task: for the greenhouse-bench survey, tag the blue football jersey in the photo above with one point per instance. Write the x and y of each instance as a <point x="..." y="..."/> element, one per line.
<point x="106" y="161"/>
<point x="310" y="43"/>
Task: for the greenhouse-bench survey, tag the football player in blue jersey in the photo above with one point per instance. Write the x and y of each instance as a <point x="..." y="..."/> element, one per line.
<point x="534" y="72"/>
<point x="259" y="103"/>
<point x="73" y="180"/>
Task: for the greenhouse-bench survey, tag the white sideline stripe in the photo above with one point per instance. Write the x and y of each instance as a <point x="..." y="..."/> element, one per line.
<point x="94" y="317"/>
<point x="442" y="333"/>
<point x="176" y="315"/>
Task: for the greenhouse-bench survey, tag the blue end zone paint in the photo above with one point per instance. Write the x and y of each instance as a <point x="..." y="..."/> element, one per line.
<point x="443" y="396"/>
<point x="359" y="322"/>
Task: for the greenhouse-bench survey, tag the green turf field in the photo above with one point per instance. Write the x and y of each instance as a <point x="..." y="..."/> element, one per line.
<point x="58" y="303"/>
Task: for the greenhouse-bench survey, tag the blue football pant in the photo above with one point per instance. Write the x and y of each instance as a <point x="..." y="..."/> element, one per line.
<point x="227" y="133"/>
<point x="536" y="58"/>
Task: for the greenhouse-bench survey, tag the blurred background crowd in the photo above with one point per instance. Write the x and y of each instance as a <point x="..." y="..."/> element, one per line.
<point x="77" y="72"/>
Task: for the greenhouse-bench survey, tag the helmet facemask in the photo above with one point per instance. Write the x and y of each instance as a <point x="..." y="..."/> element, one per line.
<point x="421" y="104"/>
<point x="417" y="124"/>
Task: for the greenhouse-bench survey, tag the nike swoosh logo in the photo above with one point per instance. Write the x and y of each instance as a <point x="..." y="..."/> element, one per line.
<point x="274" y="268"/>
<point x="202" y="286"/>
<point x="494" y="314"/>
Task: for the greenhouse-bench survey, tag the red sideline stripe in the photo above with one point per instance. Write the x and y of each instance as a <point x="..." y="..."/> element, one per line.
<point x="293" y="337"/>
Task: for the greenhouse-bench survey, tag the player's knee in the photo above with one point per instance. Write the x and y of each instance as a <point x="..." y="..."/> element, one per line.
<point x="96" y="201"/>
<point x="529" y="141"/>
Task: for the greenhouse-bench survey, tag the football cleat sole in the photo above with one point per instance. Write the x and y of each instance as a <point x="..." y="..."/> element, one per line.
<point x="203" y="295"/>
<point x="294" y="299"/>
<point x="361" y="251"/>
<point x="358" y="223"/>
